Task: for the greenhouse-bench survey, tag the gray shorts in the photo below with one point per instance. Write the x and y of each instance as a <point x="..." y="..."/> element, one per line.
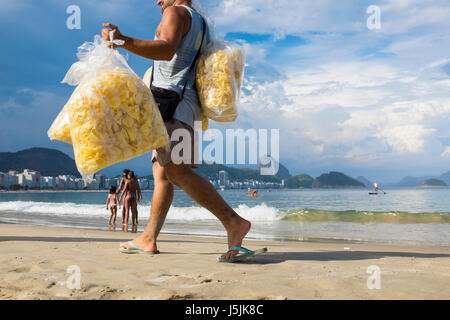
<point x="164" y="155"/>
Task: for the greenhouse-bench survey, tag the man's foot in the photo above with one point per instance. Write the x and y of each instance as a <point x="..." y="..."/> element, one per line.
<point x="236" y="236"/>
<point x="141" y="244"/>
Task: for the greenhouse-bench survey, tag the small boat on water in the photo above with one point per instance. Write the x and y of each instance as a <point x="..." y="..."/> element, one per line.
<point x="375" y="187"/>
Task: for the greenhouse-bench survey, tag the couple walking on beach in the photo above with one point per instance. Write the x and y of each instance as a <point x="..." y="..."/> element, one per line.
<point x="180" y="38"/>
<point x="130" y="197"/>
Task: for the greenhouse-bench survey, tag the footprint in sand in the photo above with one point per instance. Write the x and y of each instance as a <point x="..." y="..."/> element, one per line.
<point x="163" y="278"/>
<point x="20" y="270"/>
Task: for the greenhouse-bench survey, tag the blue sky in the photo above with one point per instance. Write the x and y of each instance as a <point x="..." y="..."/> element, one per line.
<point x="365" y="102"/>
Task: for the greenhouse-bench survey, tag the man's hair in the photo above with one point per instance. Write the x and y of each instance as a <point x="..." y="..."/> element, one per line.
<point x="131" y="173"/>
<point x="126" y="171"/>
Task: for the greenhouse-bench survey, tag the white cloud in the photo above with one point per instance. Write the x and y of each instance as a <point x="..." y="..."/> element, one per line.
<point x="351" y="111"/>
<point x="446" y="152"/>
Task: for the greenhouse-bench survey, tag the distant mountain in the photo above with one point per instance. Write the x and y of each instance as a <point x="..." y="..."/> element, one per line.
<point x="429" y="183"/>
<point x="283" y="172"/>
<point x="412" y="181"/>
<point x="365" y="181"/>
<point x="300" y="181"/>
<point x="336" y="180"/>
<point x="211" y="171"/>
<point x="445" y="177"/>
<point x="49" y="162"/>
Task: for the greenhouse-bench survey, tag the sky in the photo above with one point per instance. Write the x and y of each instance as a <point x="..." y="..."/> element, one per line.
<point x="345" y="96"/>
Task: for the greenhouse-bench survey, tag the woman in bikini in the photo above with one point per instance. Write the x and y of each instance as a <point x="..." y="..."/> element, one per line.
<point x="134" y="209"/>
<point x="133" y="195"/>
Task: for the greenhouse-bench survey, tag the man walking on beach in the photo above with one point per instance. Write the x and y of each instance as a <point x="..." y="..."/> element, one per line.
<point x="178" y="39"/>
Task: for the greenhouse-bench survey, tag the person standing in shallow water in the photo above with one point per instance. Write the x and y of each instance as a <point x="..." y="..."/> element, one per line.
<point x="132" y="194"/>
<point x="134" y="204"/>
<point x="121" y="185"/>
<point x="174" y="48"/>
<point x="112" y="202"/>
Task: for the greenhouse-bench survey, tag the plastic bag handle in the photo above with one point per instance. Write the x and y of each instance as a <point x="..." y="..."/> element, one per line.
<point x="111" y="41"/>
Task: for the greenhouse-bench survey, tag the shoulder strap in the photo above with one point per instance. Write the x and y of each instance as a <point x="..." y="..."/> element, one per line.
<point x="196" y="56"/>
<point x="193" y="61"/>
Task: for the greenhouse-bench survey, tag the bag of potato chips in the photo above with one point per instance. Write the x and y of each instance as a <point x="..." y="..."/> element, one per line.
<point x="111" y="115"/>
<point x="219" y="78"/>
<point x="60" y="129"/>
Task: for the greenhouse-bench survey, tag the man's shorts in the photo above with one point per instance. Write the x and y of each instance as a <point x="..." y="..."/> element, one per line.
<point x="164" y="155"/>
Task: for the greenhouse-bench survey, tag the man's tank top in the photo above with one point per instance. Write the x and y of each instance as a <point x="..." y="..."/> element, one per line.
<point x="172" y="75"/>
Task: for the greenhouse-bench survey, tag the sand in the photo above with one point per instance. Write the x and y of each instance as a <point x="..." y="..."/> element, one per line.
<point x="34" y="263"/>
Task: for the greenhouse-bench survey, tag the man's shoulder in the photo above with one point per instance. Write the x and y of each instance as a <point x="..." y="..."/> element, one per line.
<point x="178" y="11"/>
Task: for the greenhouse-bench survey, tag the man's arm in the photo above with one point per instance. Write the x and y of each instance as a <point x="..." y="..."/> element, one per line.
<point x="117" y="200"/>
<point x="172" y="30"/>
<point x="120" y="186"/>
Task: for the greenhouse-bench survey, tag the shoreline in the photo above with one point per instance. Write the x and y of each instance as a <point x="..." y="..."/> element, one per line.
<point x="305" y="240"/>
<point x="34" y="262"/>
<point x="2" y="191"/>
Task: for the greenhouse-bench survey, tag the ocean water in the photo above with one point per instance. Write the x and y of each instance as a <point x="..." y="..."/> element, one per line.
<point x="401" y="216"/>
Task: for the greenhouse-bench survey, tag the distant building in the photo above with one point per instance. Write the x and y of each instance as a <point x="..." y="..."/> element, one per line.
<point x="93" y="184"/>
<point x="101" y="180"/>
<point x="223" y="179"/>
<point x="13" y="180"/>
<point x="111" y="182"/>
<point x="9" y="179"/>
<point x="67" y="182"/>
<point x="143" y="183"/>
<point x="31" y="179"/>
<point x="79" y="184"/>
<point x="4" y="180"/>
<point x="117" y="180"/>
<point x="48" y="182"/>
<point x="22" y="180"/>
<point x="214" y="183"/>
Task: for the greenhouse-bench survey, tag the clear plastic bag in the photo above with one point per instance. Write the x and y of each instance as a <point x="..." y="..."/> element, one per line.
<point x="60" y="129"/>
<point x="219" y="77"/>
<point x="147" y="77"/>
<point x="112" y="114"/>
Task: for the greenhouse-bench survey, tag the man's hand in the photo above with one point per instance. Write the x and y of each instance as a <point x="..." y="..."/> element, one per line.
<point x="173" y="27"/>
<point x="115" y="29"/>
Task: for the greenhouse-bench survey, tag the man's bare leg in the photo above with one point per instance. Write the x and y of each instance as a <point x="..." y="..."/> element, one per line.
<point x="201" y="191"/>
<point x="204" y="193"/>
